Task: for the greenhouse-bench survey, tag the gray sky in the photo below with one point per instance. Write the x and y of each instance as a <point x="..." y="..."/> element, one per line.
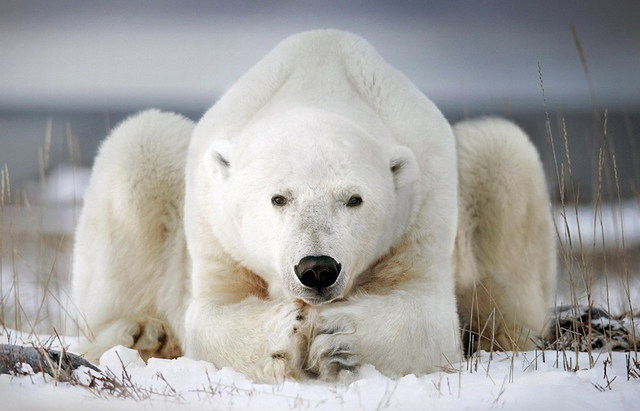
<point x="106" y="54"/>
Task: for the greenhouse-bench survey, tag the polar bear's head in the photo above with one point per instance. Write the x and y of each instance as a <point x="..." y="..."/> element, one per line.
<point x="309" y="199"/>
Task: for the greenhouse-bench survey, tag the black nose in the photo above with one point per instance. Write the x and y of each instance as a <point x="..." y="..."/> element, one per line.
<point x="317" y="272"/>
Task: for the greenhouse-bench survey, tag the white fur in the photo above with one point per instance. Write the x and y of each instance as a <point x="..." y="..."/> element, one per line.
<point x="505" y="247"/>
<point x="130" y="262"/>
<point x="320" y="119"/>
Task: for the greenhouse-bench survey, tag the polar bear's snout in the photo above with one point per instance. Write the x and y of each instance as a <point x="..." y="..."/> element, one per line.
<point x="317" y="272"/>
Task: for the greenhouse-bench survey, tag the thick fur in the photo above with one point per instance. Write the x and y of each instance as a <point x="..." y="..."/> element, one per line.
<point x="130" y="263"/>
<point x="320" y="119"/>
<point x="505" y="261"/>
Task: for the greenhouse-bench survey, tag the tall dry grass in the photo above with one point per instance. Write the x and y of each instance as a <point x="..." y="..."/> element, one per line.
<point x="36" y="238"/>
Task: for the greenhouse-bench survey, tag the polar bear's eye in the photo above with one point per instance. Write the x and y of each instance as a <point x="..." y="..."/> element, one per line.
<point x="354" y="201"/>
<point x="278" y="200"/>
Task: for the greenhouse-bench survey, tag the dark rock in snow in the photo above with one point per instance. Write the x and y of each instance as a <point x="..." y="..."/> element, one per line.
<point x="58" y="364"/>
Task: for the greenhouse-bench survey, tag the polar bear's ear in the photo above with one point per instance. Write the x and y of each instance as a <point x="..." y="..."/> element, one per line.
<point x="218" y="157"/>
<point x="403" y="165"/>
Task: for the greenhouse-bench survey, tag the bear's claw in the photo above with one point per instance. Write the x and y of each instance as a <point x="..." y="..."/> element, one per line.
<point x="288" y="342"/>
<point x="332" y="354"/>
<point x="152" y="338"/>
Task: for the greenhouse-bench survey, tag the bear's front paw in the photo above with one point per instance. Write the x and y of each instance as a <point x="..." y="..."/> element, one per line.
<point x="288" y="341"/>
<point x="152" y="338"/>
<point x="332" y="353"/>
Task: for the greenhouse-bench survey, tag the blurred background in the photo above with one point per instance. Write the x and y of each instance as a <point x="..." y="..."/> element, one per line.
<point x="567" y="71"/>
<point x="75" y="68"/>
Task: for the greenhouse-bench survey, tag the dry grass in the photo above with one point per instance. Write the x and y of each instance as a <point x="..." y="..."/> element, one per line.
<point x="584" y="264"/>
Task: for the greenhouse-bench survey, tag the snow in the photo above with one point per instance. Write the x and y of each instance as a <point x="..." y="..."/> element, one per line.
<point x="65" y="184"/>
<point x="508" y="381"/>
<point x="600" y="226"/>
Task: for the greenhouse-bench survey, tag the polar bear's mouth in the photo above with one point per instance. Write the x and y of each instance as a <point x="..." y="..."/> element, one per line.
<point x="316" y="299"/>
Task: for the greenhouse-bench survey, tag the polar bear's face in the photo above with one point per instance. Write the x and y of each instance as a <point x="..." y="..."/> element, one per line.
<point x="309" y="201"/>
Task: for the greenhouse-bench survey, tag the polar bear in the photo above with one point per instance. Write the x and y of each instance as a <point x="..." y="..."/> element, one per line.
<point x="309" y="223"/>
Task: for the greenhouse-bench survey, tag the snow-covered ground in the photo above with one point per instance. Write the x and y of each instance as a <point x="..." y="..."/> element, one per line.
<point x="526" y="381"/>
<point x="34" y="289"/>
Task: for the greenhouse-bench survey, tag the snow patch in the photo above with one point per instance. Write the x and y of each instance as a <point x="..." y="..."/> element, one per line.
<point x="599" y="227"/>
<point x="525" y="381"/>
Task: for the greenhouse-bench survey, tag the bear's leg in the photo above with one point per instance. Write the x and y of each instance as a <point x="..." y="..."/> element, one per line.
<point x="262" y="339"/>
<point x="505" y="260"/>
<point x="413" y="329"/>
<point x="129" y="238"/>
